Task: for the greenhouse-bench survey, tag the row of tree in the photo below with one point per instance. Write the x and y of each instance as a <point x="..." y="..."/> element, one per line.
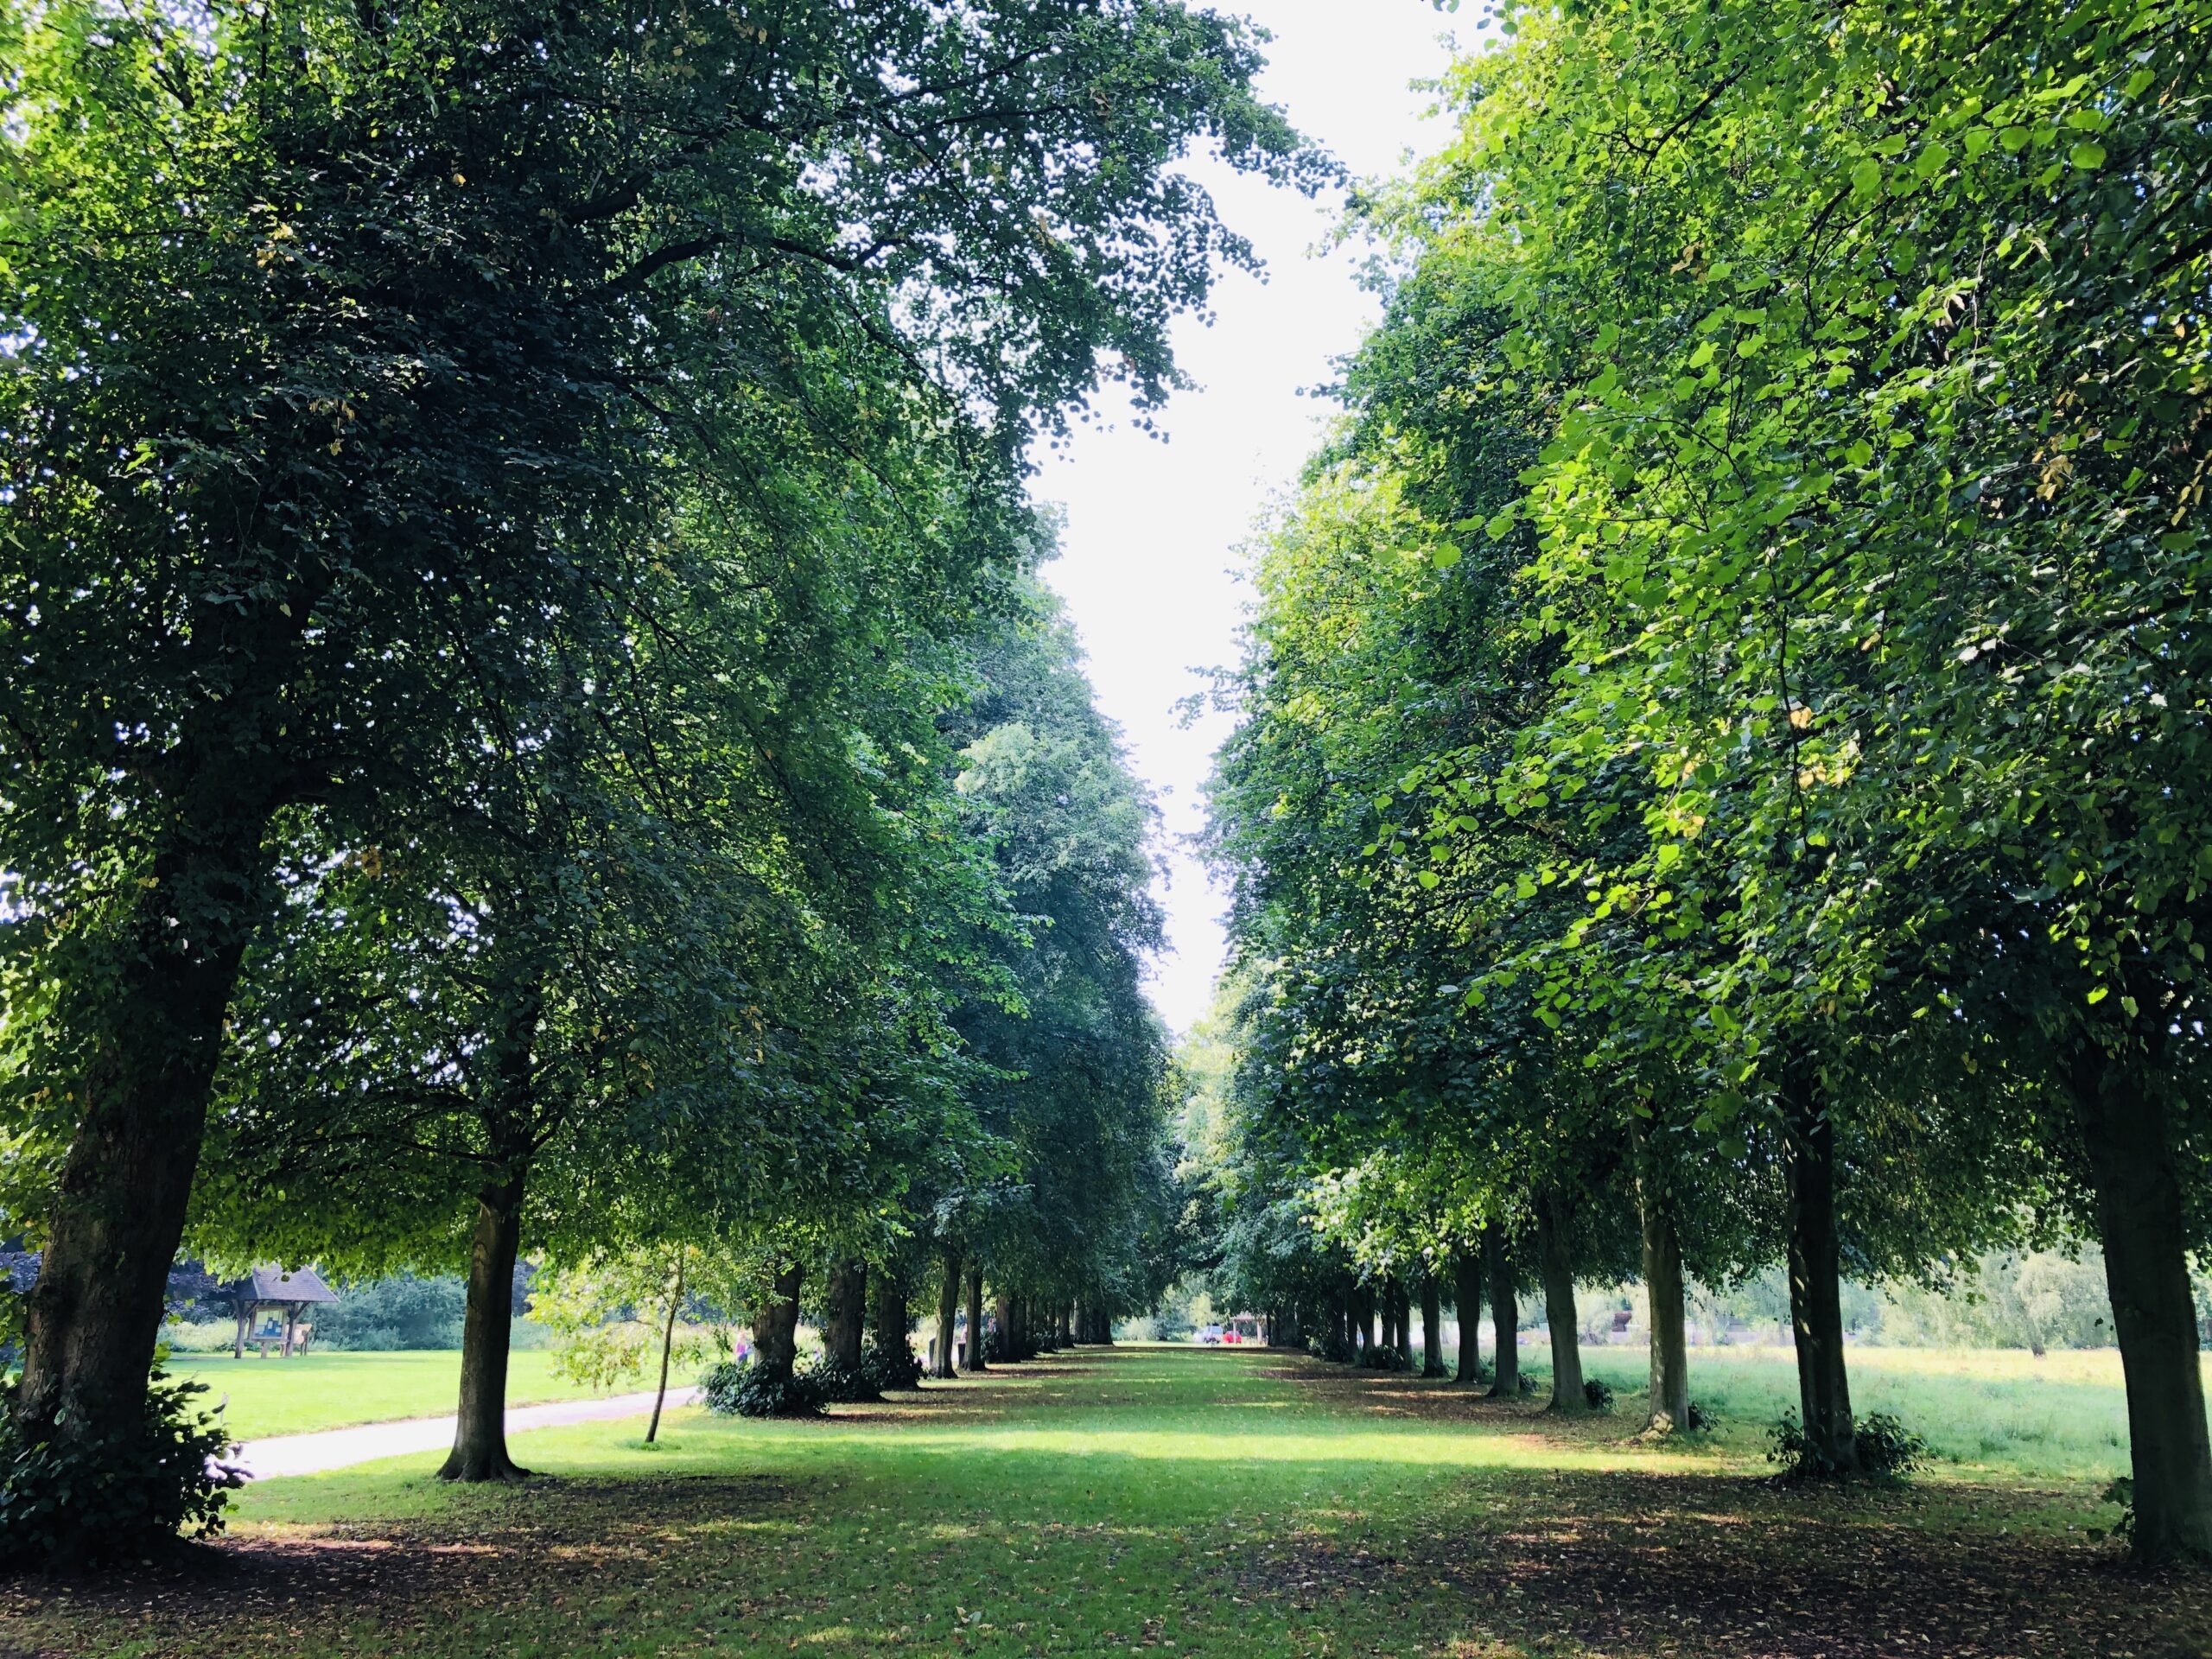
<point x="527" y="726"/>
<point x="1723" y="770"/>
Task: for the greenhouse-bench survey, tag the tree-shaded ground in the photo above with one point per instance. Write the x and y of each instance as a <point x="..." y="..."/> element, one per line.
<point x="338" y="1390"/>
<point x="1209" y="1501"/>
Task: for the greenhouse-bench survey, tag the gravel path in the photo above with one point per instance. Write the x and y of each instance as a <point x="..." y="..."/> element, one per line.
<point x="339" y="1448"/>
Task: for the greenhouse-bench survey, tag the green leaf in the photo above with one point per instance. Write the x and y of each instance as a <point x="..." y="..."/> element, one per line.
<point x="2087" y="156"/>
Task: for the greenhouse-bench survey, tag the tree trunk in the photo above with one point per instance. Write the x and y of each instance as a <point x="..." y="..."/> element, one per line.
<point x="1067" y="1324"/>
<point x="1663" y="1285"/>
<point x="1432" y="1326"/>
<point x="1505" y="1315"/>
<point x="1367" y="1316"/>
<point x="2139" y="1222"/>
<point x="1008" y="1316"/>
<point x="775" y="1325"/>
<point x="888" y="1310"/>
<point x="479" y="1440"/>
<point x="1470" y="1315"/>
<point x="667" y="1346"/>
<point x="976" y="1360"/>
<point x="1556" y="1264"/>
<point x="118" y="1210"/>
<point x="843" y="1314"/>
<point x="1816" y="1275"/>
<point x="947" y="1309"/>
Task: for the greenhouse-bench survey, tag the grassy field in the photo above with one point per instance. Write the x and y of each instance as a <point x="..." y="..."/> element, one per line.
<point x="1177" y="1500"/>
<point x="1987" y="1414"/>
<point x="335" y="1390"/>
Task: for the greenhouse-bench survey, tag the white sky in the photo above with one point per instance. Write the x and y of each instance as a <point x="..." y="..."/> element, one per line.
<point x="1154" y="530"/>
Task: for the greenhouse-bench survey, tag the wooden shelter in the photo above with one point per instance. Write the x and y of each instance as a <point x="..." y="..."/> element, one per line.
<point x="281" y="1292"/>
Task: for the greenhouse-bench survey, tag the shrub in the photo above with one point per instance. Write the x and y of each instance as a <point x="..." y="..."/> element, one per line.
<point x="1598" y="1393"/>
<point x="1700" y="1421"/>
<point x="406" y="1311"/>
<point x="80" y="1502"/>
<point x="1383" y="1357"/>
<point x="1332" y="1347"/>
<point x="1887" y="1449"/>
<point x="741" y="1388"/>
<point x="1525" y="1382"/>
<point x="836" y="1384"/>
<point x="200" y="1337"/>
<point x="2121" y="1491"/>
<point x="894" y="1368"/>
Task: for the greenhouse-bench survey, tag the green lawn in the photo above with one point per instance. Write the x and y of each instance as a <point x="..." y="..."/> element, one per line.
<point x="335" y="1390"/>
<point x="1193" y="1502"/>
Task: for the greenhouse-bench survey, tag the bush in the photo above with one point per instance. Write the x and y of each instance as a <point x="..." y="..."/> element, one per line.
<point x="2121" y="1491"/>
<point x="1525" y="1382"/>
<point x="1598" y="1393"/>
<point x="836" y="1384"/>
<point x="70" y="1503"/>
<point x="741" y="1388"/>
<point x="1887" y="1449"/>
<point x="1700" y="1421"/>
<point x="1332" y="1347"/>
<point x="896" y="1369"/>
<point x="205" y="1336"/>
<point x="404" y="1312"/>
<point x="1383" y="1357"/>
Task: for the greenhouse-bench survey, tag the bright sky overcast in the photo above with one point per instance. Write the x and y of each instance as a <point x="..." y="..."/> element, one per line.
<point x="1155" y="530"/>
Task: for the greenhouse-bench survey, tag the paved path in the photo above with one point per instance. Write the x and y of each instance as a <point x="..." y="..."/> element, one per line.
<point x="338" y="1448"/>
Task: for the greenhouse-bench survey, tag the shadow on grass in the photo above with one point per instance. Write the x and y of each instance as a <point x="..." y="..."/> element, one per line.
<point x="1735" y="1567"/>
<point x="1700" y="1563"/>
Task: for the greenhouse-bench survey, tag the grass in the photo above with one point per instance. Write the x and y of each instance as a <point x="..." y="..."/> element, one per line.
<point x="337" y="1390"/>
<point x="1182" y="1501"/>
<point x="1989" y="1414"/>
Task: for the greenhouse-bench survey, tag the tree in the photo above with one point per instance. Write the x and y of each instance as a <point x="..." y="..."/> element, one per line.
<point x="326" y="385"/>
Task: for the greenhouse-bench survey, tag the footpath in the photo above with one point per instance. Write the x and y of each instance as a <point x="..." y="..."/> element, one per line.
<point x="341" y="1448"/>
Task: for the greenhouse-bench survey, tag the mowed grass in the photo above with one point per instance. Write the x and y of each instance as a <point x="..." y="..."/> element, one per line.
<point x="1193" y="1502"/>
<point x="261" y="1397"/>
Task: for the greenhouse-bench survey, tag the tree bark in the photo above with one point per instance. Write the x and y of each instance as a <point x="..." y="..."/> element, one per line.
<point x="775" y="1324"/>
<point x="1432" y="1326"/>
<point x="1008" y="1314"/>
<point x="1067" y="1324"/>
<point x="479" y="1441"/>
<point x="1556" y="1264"/>
<point x="667" y="1346"/>
<point x="118" y="1210"/>
<point x="1367" y="1316"/>
<point x="845" y="1307"/>
<point x="888" y="1310"/>
<point x="976" y="1360"/>
<point x="1505" y="1315"/>
<point x="1663" y="1285"/>
<point x="1816" y="1275"/>
<point x="2139" y="1222"/>
<point x="1469" y="1310"/>
<point x="948" y="1311"/>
